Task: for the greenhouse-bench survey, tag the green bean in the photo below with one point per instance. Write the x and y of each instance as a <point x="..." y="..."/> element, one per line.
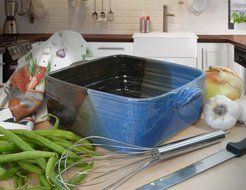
<point x="21" y="144"/>
<point x="43" y="141"/>
<point x="2" y="171"/>
<point x="77" y="178"/>
<point x="7" y="146"/>
<point x="29" y="161"/>
<point x="56" y="125"/>
<point x="34" y="144"/>
<point x="15" y="181"/>
<point x="57" y="183"/>
<point x="26" y="155"/>
<point x="43" y="180"/>
<point x="69" y="162"/>
<point x="50" y="169"/>
<point x="23" y="180"/>
<point x="67" y="144"/>
<point x="16" y="140"/>
<point x="29" y="167"/>
<point x="38" y="188"/>
<point x="63" y="134"/>
<point x="20" y="181"/>
<point x="9" y="173"/>
<point x="3" y="138"/>
<point x="58" y="133"/>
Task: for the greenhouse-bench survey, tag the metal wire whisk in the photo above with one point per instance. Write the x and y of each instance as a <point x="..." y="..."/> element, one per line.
<point x="114" y="162"/>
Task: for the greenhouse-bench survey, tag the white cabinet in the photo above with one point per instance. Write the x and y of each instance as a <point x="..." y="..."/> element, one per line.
<point x="102" y="49"/>
<point x="178" y="48"/>
<point x="212" y="54"/>
<point x="191" y="62"/>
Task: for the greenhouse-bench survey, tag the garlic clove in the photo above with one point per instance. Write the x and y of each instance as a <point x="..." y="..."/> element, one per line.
<point x="234" y="109"/>
<point x="228" y="122"/>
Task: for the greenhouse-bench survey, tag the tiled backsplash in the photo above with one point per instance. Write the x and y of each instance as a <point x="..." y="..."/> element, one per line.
<point x="127" y="12"/>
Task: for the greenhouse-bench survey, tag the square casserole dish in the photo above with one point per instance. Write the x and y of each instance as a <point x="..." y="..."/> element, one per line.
<point x="126" y="98"/>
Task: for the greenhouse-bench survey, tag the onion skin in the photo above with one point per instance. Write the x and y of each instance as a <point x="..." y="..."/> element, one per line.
<point x="222" y="81"/>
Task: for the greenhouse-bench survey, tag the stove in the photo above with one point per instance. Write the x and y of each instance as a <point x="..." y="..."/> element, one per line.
<point x="240" y="58"/>
<point x="14" y="51"/>
<point x="240" y="55"/>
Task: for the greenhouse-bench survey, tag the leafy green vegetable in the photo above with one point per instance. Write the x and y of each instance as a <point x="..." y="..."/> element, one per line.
<point x="238" y="17"/>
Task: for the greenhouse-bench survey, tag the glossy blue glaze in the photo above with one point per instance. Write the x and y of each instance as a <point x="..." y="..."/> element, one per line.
<point x="145" y="121"/>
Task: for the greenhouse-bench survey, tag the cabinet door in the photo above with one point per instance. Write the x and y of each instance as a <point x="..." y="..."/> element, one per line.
<point x="101" y="49"/>
<point x="191" y="62"/>
<point x="212" y="54"/>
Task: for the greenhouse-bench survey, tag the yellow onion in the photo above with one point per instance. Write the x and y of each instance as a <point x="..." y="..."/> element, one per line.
<point x="222" y="81"/>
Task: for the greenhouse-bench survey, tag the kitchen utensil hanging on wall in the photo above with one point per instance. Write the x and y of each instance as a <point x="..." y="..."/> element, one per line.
<point x="22" y="9"/>
<point x="94" y="14"/>
<point x="110" y="16"/>
<point x="181" y="2"/>
<point x="72" y="3"/>
<point x="197" y="6"/>
<point x="36" y="8"/>
<point x="102" y="15"/>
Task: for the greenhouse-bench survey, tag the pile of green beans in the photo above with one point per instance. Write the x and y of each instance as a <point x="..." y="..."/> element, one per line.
<point x="26" y="153"/>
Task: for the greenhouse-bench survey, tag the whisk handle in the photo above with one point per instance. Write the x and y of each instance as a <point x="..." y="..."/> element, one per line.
<point x="189" y="144"/>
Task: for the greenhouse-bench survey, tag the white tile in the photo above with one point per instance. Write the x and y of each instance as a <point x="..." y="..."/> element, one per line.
<point x="127" y="13"/>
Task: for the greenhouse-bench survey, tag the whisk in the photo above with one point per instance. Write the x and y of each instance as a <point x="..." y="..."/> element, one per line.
<point x="115" y="162"/>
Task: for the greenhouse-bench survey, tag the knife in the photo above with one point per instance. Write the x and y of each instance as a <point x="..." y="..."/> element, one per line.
<point x="233" y="149"/>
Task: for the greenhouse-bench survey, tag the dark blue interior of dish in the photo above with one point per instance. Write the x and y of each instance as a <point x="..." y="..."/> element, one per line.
<point x="128" y="76"/>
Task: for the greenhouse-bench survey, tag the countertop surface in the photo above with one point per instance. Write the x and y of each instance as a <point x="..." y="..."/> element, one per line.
<point x="87" y="37"/>
<point x="234" y="39"/>
<point x="226" y="176"/>
<point x="239" y="40"/>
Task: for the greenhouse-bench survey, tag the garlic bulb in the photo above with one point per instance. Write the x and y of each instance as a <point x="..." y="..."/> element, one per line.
<point x="242" y="105"/>
<point x="222" y="81"/>
<point x="221" y="113"/>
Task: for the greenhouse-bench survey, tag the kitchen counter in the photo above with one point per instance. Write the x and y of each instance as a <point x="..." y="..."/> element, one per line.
<point x="226" y="176"/>
<point x="241" y="39"/>
<point x="234" y="39"/>
<point x="87" y="37"/>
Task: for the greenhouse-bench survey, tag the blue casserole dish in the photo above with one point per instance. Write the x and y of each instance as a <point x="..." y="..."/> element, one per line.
<point x="130" y="99"/>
